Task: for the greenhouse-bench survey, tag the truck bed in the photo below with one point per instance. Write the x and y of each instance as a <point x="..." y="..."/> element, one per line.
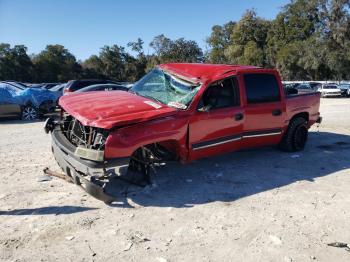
<point x="309" y="102"/>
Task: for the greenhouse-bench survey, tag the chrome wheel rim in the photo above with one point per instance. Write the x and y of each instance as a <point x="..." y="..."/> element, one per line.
<point x="29" y="113"/>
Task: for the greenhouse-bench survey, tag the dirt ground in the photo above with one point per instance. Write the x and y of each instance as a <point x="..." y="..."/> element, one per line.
<point x="256" y="205"/>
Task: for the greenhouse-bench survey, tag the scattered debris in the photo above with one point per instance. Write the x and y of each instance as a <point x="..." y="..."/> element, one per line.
<point x="93" y="252"/>
<point x="168" y="241"/>
<point x="340" y="245"/>
<point x="44" y="178"/>
<point x="51" y="173"/>
<point x="128" y="246"/>
<point x="87" y="222"/>
<point x="137" y="238"/>
<point x="69" y="238"/>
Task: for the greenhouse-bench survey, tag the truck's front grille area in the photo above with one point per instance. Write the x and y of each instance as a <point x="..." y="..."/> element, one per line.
<point x="82" y="136"/>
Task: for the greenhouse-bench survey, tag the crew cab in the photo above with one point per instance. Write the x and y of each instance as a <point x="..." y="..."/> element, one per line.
<point x="182" y="112"/>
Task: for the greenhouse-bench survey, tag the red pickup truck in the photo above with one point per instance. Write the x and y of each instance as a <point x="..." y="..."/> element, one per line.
<point x="181" y="112"/>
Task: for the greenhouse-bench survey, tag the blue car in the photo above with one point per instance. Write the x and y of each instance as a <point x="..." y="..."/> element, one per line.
<point x="27" y="103"/>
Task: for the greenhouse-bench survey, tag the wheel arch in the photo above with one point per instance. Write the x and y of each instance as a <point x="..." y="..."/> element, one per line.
<point x="304" y="115"/>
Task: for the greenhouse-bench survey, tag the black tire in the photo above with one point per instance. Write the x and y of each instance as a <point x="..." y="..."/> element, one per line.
<point x="296" y="135"/>
<point x="29" y="113"/>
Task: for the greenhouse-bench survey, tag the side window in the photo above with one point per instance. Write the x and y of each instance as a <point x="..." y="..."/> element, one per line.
<point x="221" y="94"/>
<point x="261" y="88"/>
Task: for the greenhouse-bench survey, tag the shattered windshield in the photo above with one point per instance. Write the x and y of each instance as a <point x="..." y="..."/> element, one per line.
<point x="166" y="89"/>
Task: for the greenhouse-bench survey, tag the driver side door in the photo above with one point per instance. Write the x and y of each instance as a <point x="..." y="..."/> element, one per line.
<point x="217" y="125"/>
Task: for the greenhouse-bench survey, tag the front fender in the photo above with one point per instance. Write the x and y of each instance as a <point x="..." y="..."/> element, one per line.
<point x="124" y="141"/>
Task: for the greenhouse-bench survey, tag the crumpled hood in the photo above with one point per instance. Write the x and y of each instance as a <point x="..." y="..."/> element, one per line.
<point x="106" y="109"/>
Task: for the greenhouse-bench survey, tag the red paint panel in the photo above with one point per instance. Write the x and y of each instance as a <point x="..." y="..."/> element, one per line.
<point x="112" y="108"/>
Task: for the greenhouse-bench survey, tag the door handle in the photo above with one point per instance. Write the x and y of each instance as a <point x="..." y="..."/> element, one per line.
<point x="276" y="112"/>
<point x="239" y="116"/>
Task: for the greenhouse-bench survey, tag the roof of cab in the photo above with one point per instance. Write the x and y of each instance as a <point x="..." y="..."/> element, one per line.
<point x="195" y="72"/>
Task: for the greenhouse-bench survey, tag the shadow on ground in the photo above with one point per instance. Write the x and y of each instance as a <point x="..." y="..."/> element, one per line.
<point x="51" y="210"/>
<point x="240" y="174"/>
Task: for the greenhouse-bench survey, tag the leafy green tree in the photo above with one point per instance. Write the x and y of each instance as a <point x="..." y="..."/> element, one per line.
<point x="15" y="64"/>
<point x="56" y="63"/>
<point x="219" y="40"/>
<point x="113" y="61"/>
<point x="140" y="63"/>
<point x="93" y="67"/>
<point x="179" y="50"/>
<point x="241" y="42"/>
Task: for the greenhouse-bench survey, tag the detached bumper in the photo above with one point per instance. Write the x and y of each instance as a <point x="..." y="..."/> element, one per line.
<point x="71" y="164"/>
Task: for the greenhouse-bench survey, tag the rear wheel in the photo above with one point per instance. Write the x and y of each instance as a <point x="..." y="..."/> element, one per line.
<point x="29" y="113"/>
<point x="296" y="135"/>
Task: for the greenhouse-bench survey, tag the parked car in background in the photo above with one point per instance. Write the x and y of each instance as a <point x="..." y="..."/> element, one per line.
<point x="329" y="90"/>
<point x="28" y="103"/>
<point x="315" y="85"/>
<point x="58" y="90"/>
<point x="74" y="85"/>
<point x="48" y="85"/>
<point x="345" y="89"/>
<point x="304" y="88"/>
<point x="15" y="83"/>
<point x="102" y="87"/>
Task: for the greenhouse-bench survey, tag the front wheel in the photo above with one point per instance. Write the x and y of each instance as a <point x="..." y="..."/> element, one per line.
<point x="29" y="113"/>
<point x="296" y="135"/>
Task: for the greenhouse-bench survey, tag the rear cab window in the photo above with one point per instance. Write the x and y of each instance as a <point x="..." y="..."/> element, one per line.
<point x="261" y="88"/>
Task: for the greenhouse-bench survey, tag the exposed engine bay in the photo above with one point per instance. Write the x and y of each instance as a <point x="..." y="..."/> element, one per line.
<point x="83" y="136"/>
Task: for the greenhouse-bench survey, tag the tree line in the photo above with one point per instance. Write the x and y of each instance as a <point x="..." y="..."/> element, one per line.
<point x="308" y="40"/>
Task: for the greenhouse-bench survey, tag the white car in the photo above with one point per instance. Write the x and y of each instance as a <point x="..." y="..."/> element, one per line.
<point x="330" y="90"/>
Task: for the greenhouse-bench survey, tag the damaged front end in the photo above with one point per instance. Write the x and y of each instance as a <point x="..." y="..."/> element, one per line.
<point x="79" y="151"/>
